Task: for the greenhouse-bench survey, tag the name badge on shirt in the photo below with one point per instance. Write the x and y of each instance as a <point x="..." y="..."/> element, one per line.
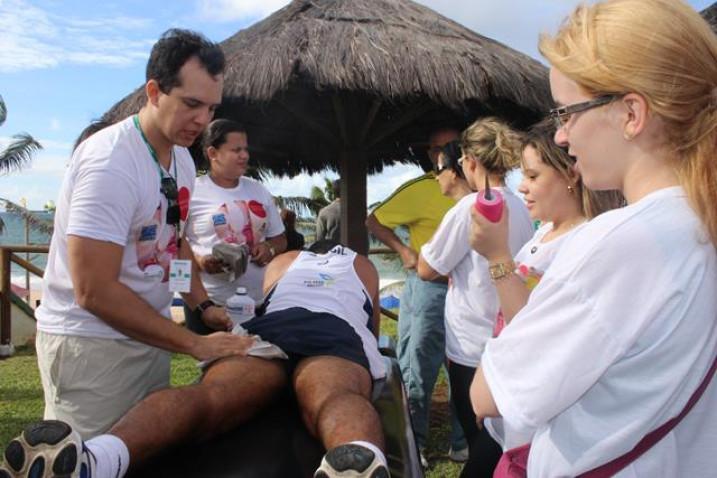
<point x="180" y="275"/>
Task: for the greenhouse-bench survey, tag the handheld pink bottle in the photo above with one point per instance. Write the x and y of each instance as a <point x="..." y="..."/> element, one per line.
<point x="489" y="202"/>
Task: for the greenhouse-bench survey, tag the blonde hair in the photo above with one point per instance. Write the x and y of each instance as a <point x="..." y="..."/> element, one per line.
<point x="493" y="144"/>
<point x="592" y="203"/>
<point x="664" y="51"/>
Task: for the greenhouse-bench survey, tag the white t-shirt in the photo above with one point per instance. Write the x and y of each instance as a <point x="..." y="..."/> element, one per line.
<point x="612" y="343"/>
<point x="471" y="302"/>
<point x="111" y="192"/>
<point x="328" y="283"/>
<point x="245" y="214"/>
<point x="531" y="262"/>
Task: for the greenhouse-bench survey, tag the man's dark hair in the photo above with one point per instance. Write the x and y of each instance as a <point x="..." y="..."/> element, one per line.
<point x="336" y="188"/>
<point x="173" y="49"/>
<point x="323" y="246"/>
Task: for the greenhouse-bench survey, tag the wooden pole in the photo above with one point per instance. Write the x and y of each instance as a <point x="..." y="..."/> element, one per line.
<point x="5" y="289"/>
<point x="353" y="169"/>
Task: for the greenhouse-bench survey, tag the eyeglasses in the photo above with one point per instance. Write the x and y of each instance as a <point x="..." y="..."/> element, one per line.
<point x="439" y="169"/>
<point x="168" y="189"/>
<point x="562" y="115"/>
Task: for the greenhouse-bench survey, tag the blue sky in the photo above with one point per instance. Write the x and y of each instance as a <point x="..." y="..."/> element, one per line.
<point x="66" y="62"/>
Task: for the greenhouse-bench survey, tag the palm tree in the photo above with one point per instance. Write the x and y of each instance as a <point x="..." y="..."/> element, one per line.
<point x="15" y="156"/>
<point x="20" y="151"/>
<point x="317" y="199"/>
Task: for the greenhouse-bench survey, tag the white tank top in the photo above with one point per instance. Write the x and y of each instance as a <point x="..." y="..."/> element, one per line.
<point x="328" y="283"/>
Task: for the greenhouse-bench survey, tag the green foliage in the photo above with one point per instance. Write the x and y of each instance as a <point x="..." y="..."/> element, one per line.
<point x="20" y="151"/>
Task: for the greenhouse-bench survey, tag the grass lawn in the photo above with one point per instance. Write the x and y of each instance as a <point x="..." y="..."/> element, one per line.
<point x="21" y="402"/>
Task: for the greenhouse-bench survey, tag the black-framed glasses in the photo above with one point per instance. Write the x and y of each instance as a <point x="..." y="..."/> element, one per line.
<point x="439" y="169"/>
<point x="562" y="115"/>
<point x="168" y="189"/>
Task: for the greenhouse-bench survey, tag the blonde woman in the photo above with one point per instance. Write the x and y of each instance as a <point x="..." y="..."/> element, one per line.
<point x="490" y="149"/>
<point x="620" y="335"/>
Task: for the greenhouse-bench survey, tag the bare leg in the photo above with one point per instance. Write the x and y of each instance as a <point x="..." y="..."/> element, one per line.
<point x="334" y="398"/>
<point x="232" y="391"/>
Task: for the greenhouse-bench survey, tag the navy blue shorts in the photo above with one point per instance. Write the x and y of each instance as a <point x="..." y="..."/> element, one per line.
<point x="302" y="333"/>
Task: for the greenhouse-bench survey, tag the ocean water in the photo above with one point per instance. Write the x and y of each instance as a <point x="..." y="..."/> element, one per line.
<point x="14" y="234"/>
<point x="388" y="265"/>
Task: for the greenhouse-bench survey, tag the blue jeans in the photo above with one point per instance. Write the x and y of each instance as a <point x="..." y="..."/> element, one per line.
<point x="421" y="351"/>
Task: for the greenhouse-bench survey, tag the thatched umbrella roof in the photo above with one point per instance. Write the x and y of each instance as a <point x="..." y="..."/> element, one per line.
<point x="710" y="14"/>
<point x="319" y="77"/>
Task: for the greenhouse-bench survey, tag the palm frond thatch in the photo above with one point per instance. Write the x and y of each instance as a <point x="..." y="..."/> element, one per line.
<point x="18" y="153"/>
<point x="35" y="223"/>
<point x="322" y="77"/>
<point x="3" y="111"/>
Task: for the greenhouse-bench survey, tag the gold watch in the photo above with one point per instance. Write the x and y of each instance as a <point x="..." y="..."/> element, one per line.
<point x="501" y="270"/>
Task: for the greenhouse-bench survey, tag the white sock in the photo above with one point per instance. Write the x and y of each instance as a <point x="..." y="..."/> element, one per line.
<point x="376" y="450"/>
<point x="111" y="456"/>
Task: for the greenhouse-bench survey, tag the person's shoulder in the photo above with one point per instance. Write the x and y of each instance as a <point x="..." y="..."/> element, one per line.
<point x="253" y="186"/>
<point x="424" y="180"/>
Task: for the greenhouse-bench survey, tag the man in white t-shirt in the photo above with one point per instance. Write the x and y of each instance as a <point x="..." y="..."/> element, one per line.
<point x="103" y="334"/>
<point x="322" y="310"/>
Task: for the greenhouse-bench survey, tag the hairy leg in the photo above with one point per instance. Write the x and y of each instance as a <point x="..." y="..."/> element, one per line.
<point x="231" y="392"/>
<point x="334" y="399"/>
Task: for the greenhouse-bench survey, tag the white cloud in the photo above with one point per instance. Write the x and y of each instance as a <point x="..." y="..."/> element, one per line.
<point x="33" y="38"/>
<point x="232" y="10"/>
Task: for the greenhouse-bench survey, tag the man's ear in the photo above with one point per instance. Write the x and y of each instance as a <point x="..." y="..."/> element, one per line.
<point x="152" y="90"/>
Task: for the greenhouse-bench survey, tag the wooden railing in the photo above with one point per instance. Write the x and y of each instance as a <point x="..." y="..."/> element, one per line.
<point x="8" y="255"/>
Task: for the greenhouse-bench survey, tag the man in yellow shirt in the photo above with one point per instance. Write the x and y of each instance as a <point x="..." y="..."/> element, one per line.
<point x="419" y="205"/>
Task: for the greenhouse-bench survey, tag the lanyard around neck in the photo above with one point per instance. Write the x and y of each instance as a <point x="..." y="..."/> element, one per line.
<point x="153" y="152"/>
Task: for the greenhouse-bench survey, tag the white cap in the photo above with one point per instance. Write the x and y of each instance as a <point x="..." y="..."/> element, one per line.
<point x="241" y="290"/>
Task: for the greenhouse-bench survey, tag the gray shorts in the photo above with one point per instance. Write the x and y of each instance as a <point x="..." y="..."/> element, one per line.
<point x="91" y="382"/>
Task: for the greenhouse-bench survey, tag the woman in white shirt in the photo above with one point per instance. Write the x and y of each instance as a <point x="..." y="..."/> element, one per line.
<point x="555" y="196"/>
<point x="228" y="207"/>
<point x="622" y="328"/>
<point x="490" y="149"/>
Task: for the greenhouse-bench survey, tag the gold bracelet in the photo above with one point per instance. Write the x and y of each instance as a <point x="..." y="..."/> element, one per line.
<point x="501" y="270"/>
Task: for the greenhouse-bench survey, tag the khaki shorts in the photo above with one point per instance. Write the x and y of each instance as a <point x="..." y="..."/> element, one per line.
<point x="90" y="382"/>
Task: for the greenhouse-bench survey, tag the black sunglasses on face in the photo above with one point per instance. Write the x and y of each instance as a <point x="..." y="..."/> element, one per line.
<point x="562" y="115"/>
<point x="169" y="191"/>
<point x="439" y="169"/>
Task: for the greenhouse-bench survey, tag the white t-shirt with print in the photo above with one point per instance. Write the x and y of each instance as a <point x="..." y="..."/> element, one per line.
<point x="613" y="341"/>
<point x="471" y="302"/>
<point x="111" y="192"/>
<point x="245" y="214"/>
<point x="531" y="262"/>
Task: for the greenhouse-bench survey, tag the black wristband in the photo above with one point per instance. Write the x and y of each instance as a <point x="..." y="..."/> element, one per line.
<point x="205" y="305"/>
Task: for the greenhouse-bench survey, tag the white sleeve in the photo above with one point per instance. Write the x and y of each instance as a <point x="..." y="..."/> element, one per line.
<point x="578" y="321"/>
<point x="103" y="204"/>
<point x="275" y="226"/>
<point x="449" y="244"/>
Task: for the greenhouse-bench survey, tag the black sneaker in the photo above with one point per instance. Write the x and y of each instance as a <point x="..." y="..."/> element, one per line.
<point x="351" y="460"/>
<point x="47" y="449"/>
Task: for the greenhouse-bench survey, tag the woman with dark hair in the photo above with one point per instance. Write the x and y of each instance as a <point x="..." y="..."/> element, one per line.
<point x="449" y="172"/>
<point x="228" y="207"/>
<point x="294" y="239"/>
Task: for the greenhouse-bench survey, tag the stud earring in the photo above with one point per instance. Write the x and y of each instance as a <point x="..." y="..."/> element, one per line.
<point x="571" y="189"/>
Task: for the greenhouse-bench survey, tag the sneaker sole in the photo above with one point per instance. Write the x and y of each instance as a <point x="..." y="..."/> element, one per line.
<point x="350" y="461"/>
<point x="39" y="452"/>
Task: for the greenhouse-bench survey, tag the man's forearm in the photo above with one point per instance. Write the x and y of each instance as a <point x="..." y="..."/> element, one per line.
<point x="384" y="234"/>
<point x="122" y="309"/>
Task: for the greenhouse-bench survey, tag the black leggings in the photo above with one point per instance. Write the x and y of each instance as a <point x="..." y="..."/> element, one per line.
<point x="483" y="451"/>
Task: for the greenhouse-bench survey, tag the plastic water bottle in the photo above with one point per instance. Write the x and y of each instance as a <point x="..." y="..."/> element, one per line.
<point x="240" y="307"/>
<point x="489" y="202"/>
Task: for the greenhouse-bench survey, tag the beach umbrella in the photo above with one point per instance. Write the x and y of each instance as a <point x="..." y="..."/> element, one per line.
<point x="355" y="85"/>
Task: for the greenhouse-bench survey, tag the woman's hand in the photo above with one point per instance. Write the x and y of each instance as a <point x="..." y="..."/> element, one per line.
<point x="490" y="239"/>
<point x="210" y="264"/>
<point x="262" y="253"/>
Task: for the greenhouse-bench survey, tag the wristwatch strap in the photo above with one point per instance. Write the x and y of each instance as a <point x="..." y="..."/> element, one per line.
<point x="205" y="305"/>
